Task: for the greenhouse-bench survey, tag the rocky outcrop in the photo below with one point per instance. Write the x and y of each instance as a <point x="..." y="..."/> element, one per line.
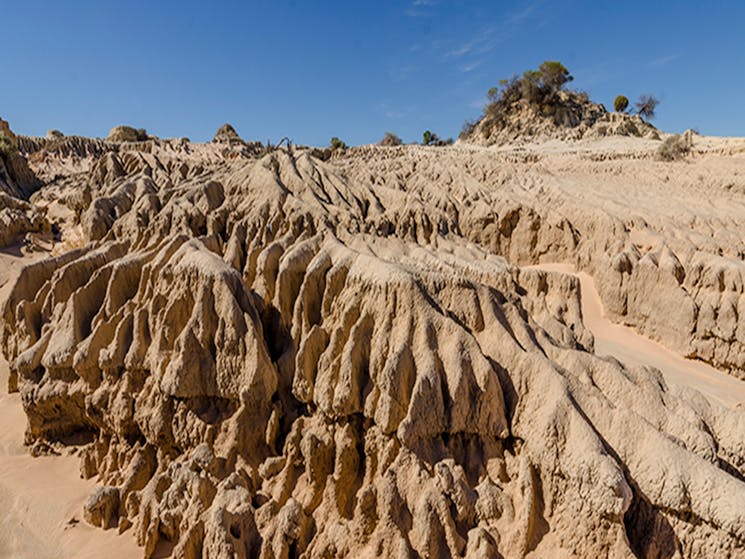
<point x="127" y="134"/>
<point x="285" y="357"/>
<point x="227" y="134"/>
<point x="18" y="218"/>
<point x="17" y="182"/>
<point x="570" y="115"/>
<point x="16" y="179"/>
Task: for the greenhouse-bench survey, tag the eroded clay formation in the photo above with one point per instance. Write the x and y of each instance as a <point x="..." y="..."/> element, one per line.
<point x="280" y="356"/>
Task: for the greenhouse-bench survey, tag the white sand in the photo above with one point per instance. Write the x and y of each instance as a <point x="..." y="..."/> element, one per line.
<point x="626" y="345"/>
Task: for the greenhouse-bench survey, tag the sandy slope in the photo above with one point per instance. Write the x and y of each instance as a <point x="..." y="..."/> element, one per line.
<point x="626" y="345"/>
<point x="39" y="496"/>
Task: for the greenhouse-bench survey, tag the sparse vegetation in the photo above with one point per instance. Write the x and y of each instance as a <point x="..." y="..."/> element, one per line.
<point x="390" y="139"/>
<point x="539" y="89"/>
<point x="538" y="104"/>
<point x="620" y="104"/>
<point x="646" y="106"/>
<point x="536" y="87"/>
<point x="336" y="143"/>
<point x="429" y="138"/>
<point x="468" y="127"/>
<point x="674" y="148"/>
<point x="7" y="147"/>
<point x="552" y="76"/>
<point x="324" y="154"/>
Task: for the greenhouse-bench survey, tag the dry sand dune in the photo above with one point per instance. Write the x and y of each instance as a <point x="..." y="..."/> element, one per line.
<point x="339" y="354"/>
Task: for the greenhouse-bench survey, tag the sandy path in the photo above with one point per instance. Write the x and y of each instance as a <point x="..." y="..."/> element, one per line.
<point x="626" y="345"/>
<point x="38" y="496"/>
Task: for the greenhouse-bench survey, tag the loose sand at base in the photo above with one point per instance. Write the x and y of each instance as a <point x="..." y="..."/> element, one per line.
<point x="40" y="496"/>
<point x="626" y="345"/>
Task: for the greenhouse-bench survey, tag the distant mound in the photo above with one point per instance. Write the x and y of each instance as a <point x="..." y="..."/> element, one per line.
<point x="232" y="145"/>
<point x="535" y="106"/>
<point x="226" y="134"/>
<point x="127" y="134"/>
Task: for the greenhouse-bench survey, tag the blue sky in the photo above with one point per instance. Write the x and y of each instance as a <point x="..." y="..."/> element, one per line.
<point x="312" y="70"/>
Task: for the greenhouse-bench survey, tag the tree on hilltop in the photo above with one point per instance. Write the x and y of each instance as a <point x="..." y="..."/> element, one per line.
<point x="621" y="103"/>
<point x="646" y="106"/>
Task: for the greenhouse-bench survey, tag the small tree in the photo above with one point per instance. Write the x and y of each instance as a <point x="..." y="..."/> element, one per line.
<point x="552" y="75"/>
<point x="390" y="139"/>
<point x="646" y="106"/>
<point x="431" y="139"/>
<point x="621" y="103"/>
<point x="336" y="143"/>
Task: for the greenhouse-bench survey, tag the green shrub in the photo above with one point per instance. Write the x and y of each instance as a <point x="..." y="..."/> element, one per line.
<point x="674" y="148"/>
<point x="336" y="143"/>
<point x="552" y="75"/>
<point x="539" y="88"/>
<point x="621" y="103"/>
<point x="390" y="139"/>
<point x="431" y="139"/>
<point x="7" y="147"/>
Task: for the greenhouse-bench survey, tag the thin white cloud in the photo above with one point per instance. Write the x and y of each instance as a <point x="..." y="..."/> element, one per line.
<point x="484" y="41"/>
<point x="389" y="112"/>
<point x="489" y="37"/>
<point x="471" y="66"/>
<point x="522" y="15"/>
<point x="662" y="61"/>
<point x="421" y="8"/>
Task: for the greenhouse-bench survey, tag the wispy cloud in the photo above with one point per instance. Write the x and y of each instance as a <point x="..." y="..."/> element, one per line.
<point x="421" y="8"/>
<point x="389" y="112"/>
<point x="662" y="61"/>
<point x="483" y="42"/>
<point x="471" y="66"/>
<point x="523" y="14"/>
<point x="488" y="38"/>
